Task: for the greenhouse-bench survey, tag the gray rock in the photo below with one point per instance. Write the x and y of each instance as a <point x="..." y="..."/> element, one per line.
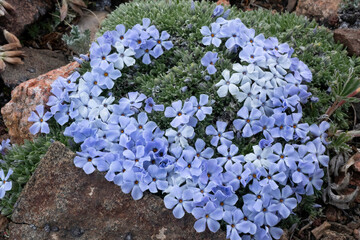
<point x="84" y="206"/>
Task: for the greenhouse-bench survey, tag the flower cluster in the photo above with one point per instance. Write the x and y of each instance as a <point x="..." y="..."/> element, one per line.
<point x="118" y="136"/>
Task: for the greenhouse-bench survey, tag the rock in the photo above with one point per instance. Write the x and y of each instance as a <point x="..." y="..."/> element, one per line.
<point x="350" y="38"/>
<point x="92" y="22"/>
<point x="317" y="9"/>
<point x="84" y="206"/>
<point x="24" y="99"/>
<point x="36" y="63"/>
<point x="26" y="12"/>
<point x="353" y="225"/>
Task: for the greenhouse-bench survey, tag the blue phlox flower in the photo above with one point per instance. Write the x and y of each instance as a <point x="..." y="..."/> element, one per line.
<point x="151" y="105"/>
<point x="237" y="224"/>
<point x="301" y="171"/>
<point x="320" y="152"/>
<point x="133" y="182"/>
<point x="134" y="99"/>
<point x="251" y="39"/>
<point x="142" y="123"/>
<point x="248" y="93"/>
<point x="229" y="155"/>
<point x="145" y="51"/>
<point x="199" y="107"/>
<point x="99" y="54"/>
<point x="91" y="81"/>
<point x="66" y="112"/>
<point x="274" y="48"/>
<point x="265" y="85"/>
<point x="300" y="129"/>
<point x="267" y="141"/>
<point x="79" y="131"/>
<point x="281" y="129"/>
<point x="70" y="82"/>
<point x="260" y="157"/>
<point x="58" y="99"/>
<point x="180" y="113"/>
<point x="247" y="123"/>
<point x="145" y="27"/>
<point x="219" y="134"/>
<point x="208" y="215"/>
<point x="320" y="131"/>
<point x="120" y="34"/>
<point x="219" y="9"/>
<point x="265" y="123"/>
<point x="253" y="54"/>
<point x="211" y="171"/>
<point x="179" y="137"/>
<point x="272" y="232"/>
<point x="106" y="74"/>
<point x="274" y="176"/>
<point x="283" y="202"/>
<point x="156" y="178"/>
<point x="266" y="216"/>
<point x="209" y="61"/>
<point x="116" y="171"/>
<point x="161" y="41"/>
<point x="226" y="14"/>
<point x="301" y="70"/>
<point x="227" y="203"/>
<point x="5" y="184"/>
<point x="4" y="146"/>
<point x="285" y="156"/>
<point x="188" y="166"/>
<point x="211" y="36"/>
<point x="228" y="84"/>
<point x="39" y="118"/>
<point x="136" y="39"/>
<point x="88" y="158"/>
<point x="102" y="110"/>
<point x="179" y="199"/>
<point x="246" y="73"/>
<point x="255" y="201"/>
<point x="232" y="30"/>
<point x="201" y="152"/>
<point x="124" y="56"/>
<point x="137" y="157"/>
<point x="234" y="175"/>
<point x="315" y="181"/>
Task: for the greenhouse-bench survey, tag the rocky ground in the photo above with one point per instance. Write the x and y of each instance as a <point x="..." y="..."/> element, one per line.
<point x="45" y="51"/>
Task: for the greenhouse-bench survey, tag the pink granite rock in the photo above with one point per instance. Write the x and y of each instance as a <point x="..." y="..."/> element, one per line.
<point x="24" y="99"/>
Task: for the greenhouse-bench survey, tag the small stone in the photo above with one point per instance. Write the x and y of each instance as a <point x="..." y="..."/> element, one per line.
<point x="353" y="225"/>
<point x="54" y="229"/>
<point x="47" y="228"/>
<point x="77" y="232"/>
<point x="128" y="236"/>
<point x="31" y="70"/>
<point x="356" y="233"/>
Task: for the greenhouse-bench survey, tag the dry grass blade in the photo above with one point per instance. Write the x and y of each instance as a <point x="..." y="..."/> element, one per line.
<point x="9" y="47"/>
<point x="2" y="65"/>
<point x="13" y="60"/>
<point x="13" y="54"/>
<point x="2" y="11"/>
<point x="63" y="10"/>
<point x="7" y="5"/>
<point x="79" y="3"/>
<point x="76" y="8"/>
<point x="11" y="38"/>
